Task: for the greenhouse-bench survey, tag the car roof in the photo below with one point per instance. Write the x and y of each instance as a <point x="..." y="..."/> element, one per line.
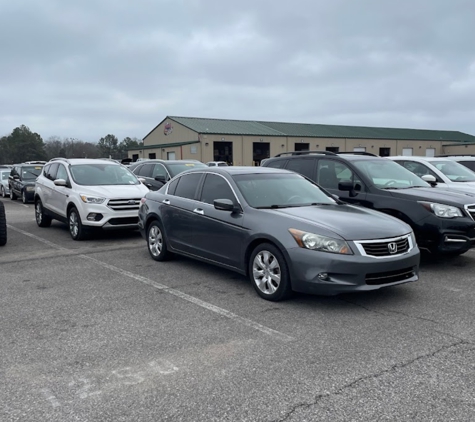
<point x="235" y="170"/>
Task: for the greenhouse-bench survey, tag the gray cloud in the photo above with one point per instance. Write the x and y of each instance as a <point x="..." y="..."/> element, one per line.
<point x="86" y="69"/>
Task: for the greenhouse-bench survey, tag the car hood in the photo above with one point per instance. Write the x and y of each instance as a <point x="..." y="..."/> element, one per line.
<point x="439" y="195"/>
<point x="115" y="191"/>
<point x="348" y="221"/>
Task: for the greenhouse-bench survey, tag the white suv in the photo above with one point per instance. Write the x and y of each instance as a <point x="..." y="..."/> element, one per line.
<point x="87" y="193"/>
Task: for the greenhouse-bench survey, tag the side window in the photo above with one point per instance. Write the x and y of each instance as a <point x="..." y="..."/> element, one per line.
<point x="330" y="173"/>
<point x="216" y="187"/>
<point x="145" y="170"/>
<point x="62" y="173"/>
<point x="51" y="174"/>
<point x="172" y="187"/>
<point x="302" y="166"/>
<point x="159" y="170"/>
<point x="278" y="164"/>
<point x="187" y="184"/>
<point x="418" y="169"/>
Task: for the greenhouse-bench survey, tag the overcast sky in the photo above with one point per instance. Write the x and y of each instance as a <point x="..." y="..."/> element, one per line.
<point x="87" y="68"/>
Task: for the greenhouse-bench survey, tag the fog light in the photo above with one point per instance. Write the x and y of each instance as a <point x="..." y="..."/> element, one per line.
<point x="323" y="276"/>
<point x="94" y="217"/>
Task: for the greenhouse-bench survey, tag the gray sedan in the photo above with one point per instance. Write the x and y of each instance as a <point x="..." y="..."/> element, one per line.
<point x="280" y="229"/>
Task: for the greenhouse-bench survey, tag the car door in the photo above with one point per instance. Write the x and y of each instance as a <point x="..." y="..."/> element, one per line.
<point x="177" y="212"/>
<point x="219" y="235"/>
<point x="60" y="194"/>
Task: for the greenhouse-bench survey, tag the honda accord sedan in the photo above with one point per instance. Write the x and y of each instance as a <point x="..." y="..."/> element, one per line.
<point x="278" y="228"/>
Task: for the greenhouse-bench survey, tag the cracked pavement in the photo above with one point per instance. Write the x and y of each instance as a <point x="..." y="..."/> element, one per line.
<point x="94" y="340"/>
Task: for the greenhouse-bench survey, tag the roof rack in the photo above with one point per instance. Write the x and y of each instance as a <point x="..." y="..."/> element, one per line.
<point x="358" y="153"/>
<point x="304" y="153"/>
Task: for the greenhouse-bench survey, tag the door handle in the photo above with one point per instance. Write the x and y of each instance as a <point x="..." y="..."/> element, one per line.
<point x="199" y="211"/>
<point x="166" y="201"/>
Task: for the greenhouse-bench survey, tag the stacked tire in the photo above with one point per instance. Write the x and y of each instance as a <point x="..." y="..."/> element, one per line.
<point x="3" y="225"/>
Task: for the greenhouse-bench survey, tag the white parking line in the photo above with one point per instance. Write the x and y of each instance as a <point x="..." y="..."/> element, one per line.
<point x="177" y="293"/>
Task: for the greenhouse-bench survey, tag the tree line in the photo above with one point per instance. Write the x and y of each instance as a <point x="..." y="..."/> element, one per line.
<point x="24" y="145"/>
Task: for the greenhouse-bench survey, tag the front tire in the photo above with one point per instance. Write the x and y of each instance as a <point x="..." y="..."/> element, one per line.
<point x="76" y="228"/>
<point x="269" y="273"/>
<point x="156" y="242"/>
<point x="41" y="219"/>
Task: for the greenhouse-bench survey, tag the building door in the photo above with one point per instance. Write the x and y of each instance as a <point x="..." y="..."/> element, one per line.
<point x="301" y="146"/>
<point x="223" y="151"/>
<point x="260" y="150"/>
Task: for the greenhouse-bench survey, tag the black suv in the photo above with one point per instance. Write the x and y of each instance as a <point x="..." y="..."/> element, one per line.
<point x="443" y="221"/>
<point x="21" y="181"/>
<point x="157" y="172"/>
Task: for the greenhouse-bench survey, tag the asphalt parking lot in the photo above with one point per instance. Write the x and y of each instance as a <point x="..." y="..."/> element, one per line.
<point x="98" y="331"/>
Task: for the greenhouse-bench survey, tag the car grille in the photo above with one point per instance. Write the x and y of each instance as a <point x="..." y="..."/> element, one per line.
<point x="121" y="221"/>
<point x="124" y="204"/>
<point x="471" y="210"/>
<point x="390" y="276"/>
<point x="385" y="247"/>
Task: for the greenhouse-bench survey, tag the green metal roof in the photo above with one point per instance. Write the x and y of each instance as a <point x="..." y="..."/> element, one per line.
<point x="259" y="128"/>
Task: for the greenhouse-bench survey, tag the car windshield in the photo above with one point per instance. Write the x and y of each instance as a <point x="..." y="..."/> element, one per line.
<point x="454" y="171"/>
<point x="177" y="168"/>
<point x="102" y="174"/>
<point x="280" y="190"/>
<point x="31" y="173"/>
<point x="387" y="174"/>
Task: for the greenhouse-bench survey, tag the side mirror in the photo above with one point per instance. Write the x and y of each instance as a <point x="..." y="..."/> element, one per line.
<point x="430" y="179"/>
<point x="349" y="187"/>
<point x="161" y="178"/>
<point x="225" y="205"/>
<point x="61" y="182"/>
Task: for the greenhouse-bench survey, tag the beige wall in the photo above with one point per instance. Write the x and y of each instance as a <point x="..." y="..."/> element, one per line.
<point x="243" y="145"/>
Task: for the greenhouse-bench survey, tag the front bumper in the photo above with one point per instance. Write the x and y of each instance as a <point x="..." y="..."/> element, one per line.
<point x="349" y="273"/>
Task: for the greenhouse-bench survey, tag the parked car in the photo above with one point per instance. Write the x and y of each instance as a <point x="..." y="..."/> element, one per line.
<point x="440" y="172"/>
<point x="278" y="228"/>
<point x="155" y="173"/>
<point x="21" y="181"/>
<point x="442" y="220"/>
<point x="3" y="225"/>
<point x="466" y="160"/>
<point x="4" y="188"/>
<point x="216" y="163"/>
<point x="87" y="194"/>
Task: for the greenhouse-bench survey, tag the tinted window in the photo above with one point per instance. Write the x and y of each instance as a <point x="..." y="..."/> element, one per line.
<point x="216" y="187"/>
<point x="302" y="166"/>
<point x="278" y="164"/>
<point x="187" y="184"/>
<point x="144" y="170"/>
<point x="172" y="187"/>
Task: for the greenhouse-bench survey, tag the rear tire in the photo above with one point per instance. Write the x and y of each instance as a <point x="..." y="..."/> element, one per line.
<point x="76" y="229"/>
<point x="269" y="273"/>
<point x="156" y="242"/>
<point x="3" y="225"/>
<point x="41" y="219"/>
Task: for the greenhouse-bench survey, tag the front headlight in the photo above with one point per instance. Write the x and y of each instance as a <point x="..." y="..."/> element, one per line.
<point x="92" y="199"/>
<point x="442" y="210"/>
<point x="320" y="243"/>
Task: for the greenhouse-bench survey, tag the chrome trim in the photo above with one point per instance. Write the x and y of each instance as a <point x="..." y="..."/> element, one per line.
<point x="359" y="245"/>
